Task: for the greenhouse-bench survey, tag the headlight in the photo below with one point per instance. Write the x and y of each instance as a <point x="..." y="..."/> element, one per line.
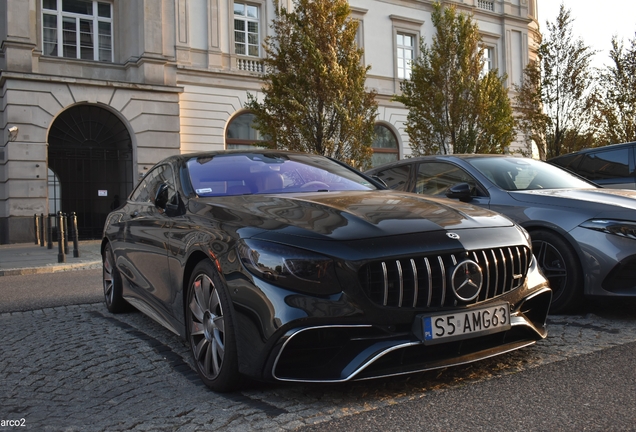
<point x="616" y="227"/>
<point x="289" y="267"/>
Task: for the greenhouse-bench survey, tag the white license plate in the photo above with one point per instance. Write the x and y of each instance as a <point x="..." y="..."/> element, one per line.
<point x="467" y="323"/>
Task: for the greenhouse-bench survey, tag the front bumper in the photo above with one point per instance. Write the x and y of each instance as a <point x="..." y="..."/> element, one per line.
<point x="337" y="353"/>
<point x="287" y="335"/>
<point x="608" y="261"/>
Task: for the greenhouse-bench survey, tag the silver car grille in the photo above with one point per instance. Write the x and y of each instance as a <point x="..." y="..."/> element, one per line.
<point x="425" y="281"/>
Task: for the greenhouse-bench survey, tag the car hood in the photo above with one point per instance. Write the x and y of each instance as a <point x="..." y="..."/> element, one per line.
<point x="597" y="201"/>
<point x="347" y="215"/>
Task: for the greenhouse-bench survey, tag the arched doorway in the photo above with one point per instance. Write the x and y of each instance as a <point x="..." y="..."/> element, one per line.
<point x="90" y="152"/>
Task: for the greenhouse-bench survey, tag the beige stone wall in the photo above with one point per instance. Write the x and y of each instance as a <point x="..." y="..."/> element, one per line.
<point x="151" y="115"/>
<point x="176" y="83"/>
<point x="139" y="87"/>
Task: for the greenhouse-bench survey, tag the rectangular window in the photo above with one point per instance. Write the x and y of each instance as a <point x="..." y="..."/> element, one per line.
<point x="80" y="29"/>
<point x="359" y="37"/>
<point x="405" y="53"/>
<point x="246" y="30"/>
<point x="49" y="34"/>
<point x="435" y="178"/>
<point x="488" y="65"/>
<point x="69" y="36"/>
<point x="105" y="42"/>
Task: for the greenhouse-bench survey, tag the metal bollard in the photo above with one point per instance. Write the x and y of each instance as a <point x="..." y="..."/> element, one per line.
<point x="65" y="221"/>
<point x="49" y="229"/>
<point x="36" y="228"/>
<point x="42" y="230"/>
<point x="76" y="253"/>
<point x="60" y="239"/>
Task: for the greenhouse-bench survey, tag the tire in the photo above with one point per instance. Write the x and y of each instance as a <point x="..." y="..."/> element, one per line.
<point x="113" y="288"/>
<point x="560" y="265"/>
<point x="210" y="330"/>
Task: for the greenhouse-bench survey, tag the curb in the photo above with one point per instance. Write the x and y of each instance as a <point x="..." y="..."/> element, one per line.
<point x="52" y="269"/>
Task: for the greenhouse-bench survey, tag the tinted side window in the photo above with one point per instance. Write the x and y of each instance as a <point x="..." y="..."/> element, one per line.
<point x="396" y="177"/>
<point x="434" y="178"/>
<point x="147" y="188"/>
<point x="568" y="161"/>
<point x="605" y="165"/>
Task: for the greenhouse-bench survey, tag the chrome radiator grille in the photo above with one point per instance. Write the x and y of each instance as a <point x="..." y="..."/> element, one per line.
<point x="425" y="281"/>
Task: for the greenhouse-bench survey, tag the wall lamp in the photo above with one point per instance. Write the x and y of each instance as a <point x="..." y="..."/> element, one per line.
<point x="13" y="133"/>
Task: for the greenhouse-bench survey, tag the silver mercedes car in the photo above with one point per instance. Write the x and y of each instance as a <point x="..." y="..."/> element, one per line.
<point x="583" y="236"/>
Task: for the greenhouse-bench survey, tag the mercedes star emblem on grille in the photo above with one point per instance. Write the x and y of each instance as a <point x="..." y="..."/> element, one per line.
<point x="467" y="280"/>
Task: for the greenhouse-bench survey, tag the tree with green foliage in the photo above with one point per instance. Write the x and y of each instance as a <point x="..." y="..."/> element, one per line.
<point x="532" y="121"/>
<point x="314" y="96"/>
<point x="453" y="106"/>
<point x="553" y="99"/>
<point x="615" y="98"/>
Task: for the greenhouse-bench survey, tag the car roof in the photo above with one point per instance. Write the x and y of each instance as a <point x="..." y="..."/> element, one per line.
<point x="449" y="158"/>
<point x="468" y="156"/>
<point x="595" y="149"/>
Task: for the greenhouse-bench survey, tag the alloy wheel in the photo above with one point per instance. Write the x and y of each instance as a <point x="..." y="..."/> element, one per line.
<point x="107" y="277"/>
<point x="207" y="327"/>
<point x="552" y="265"/>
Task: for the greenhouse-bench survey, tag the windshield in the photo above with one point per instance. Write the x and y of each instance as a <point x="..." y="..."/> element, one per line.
<point x="254" y="173"/>
<point x="526" y="174"/>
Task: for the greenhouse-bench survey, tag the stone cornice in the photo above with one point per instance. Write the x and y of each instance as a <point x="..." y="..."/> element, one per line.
<point x="4" y="76"/>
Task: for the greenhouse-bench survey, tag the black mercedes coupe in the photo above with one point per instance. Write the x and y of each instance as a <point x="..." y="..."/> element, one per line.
<point x="283" y="266"/>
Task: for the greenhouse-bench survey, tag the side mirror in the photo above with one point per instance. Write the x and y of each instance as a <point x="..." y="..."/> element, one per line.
<point x="168" y="201"/>
<point x="460" y="191"/>
<point x="162" y="196"/>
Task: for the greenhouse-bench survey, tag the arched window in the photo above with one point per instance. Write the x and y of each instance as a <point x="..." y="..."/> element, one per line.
<point x="385" y="146"/>
<point x="240" y="134"/>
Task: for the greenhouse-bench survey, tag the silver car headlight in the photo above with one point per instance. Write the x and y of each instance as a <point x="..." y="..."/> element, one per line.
<point x="617" y="227"/>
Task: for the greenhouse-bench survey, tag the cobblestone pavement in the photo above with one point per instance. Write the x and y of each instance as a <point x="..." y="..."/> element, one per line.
<point x="79" y="368"/>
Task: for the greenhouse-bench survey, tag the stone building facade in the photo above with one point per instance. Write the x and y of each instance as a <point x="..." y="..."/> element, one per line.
<point x="94" y="92"/>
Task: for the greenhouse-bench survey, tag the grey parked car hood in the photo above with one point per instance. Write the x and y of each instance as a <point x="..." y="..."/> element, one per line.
<point x="610" y="202"/>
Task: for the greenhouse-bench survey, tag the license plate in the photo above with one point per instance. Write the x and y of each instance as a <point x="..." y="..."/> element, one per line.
<point x="464" y="324"/>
